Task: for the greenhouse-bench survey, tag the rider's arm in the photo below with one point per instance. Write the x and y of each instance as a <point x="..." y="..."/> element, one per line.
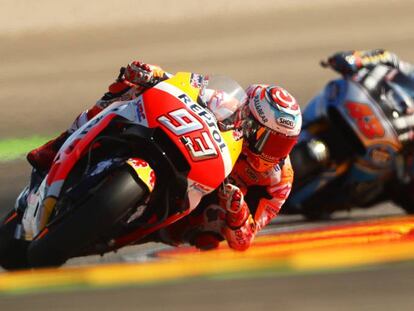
<point x="268" y="206"/>
<point x="132" y="80"/>
<point x="349" y="62"/>
<point x="239" y="229"/>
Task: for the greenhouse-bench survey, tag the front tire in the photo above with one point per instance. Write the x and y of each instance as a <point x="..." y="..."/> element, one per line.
<point x="117" y="195"/>
<point x="13" y="252"/>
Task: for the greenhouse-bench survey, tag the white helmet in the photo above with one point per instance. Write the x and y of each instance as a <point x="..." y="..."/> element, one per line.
<point x="273" y="125"/>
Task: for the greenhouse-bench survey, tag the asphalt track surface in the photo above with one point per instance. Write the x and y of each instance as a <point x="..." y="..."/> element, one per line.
<point x="47" y="78"/>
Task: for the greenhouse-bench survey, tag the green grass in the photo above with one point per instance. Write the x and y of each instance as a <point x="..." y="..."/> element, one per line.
<point x="17" y="148"/>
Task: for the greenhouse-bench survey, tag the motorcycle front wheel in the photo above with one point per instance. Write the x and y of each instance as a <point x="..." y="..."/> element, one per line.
<point x="116" y="196"/>
<point x="13" y="252"/>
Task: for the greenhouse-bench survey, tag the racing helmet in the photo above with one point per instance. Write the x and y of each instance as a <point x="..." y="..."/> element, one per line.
<point x="272" y="126"/>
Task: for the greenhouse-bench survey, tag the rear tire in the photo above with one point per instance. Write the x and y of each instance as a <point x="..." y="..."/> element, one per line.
<point x="317" y="214"/>
<point x="118" y="194"/>
<point x="403" y="195"/>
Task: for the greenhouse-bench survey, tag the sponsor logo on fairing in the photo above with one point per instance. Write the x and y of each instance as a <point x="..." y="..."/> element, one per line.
<point x="196" y="80"/>
<point x="185" y="99"/>
<point x="140" y="110"/>
<point x="200" y="188"/>
<point x="237" y="134"/>
<point x="208" y="119"/>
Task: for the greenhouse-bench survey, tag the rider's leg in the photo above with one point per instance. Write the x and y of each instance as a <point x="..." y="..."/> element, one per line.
<point x="202" y="229"/>
<point x="42" y="157"/>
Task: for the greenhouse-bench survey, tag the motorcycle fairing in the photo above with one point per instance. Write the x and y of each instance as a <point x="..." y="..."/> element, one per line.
<point x="212" y="142"/>
<point x="316" y="184"/>
<point x="380" y="151"/>
<point x="369" y="183"/>
<point x="141" y="112"/>
<point x="194" y="131"/>
<point x="317" y="108"/>
<point x="31" y="216"/>
<point x="358" y="99"/>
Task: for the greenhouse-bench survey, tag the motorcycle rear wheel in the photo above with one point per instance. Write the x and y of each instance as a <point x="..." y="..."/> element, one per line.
<point x="117" y="195"/>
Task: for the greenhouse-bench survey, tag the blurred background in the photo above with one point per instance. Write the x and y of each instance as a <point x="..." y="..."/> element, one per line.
<point x="57" y="58"/>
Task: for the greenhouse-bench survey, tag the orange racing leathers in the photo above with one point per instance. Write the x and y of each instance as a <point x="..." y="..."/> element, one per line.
<point x="264" y="192"/>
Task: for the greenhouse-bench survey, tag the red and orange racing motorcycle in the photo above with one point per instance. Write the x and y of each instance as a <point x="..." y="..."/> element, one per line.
<point x="136" y="167"/>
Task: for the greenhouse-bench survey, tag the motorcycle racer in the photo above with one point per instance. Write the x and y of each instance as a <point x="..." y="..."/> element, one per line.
<point x="390" y="83"/>
<point x="269" y="121"/>
<point x="349" y="63"/>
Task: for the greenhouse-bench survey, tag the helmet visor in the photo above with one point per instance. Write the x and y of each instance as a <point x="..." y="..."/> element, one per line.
<point x="272" y="146"/>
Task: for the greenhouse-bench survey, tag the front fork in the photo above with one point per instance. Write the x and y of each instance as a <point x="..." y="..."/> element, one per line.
<point x="143" y="170"/>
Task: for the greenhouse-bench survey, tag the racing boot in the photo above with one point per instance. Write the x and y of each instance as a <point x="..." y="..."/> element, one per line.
<point x="200" y="229"/>
<point x="42" y="157"/>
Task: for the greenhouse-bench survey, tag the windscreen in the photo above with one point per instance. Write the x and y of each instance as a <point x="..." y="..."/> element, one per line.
<point x="227" y="85"/>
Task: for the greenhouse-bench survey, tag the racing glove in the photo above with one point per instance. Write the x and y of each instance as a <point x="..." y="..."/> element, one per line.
<point x="232" y="200"/>
<point x="141" y="74"/>
<point x="132" y="80"/>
